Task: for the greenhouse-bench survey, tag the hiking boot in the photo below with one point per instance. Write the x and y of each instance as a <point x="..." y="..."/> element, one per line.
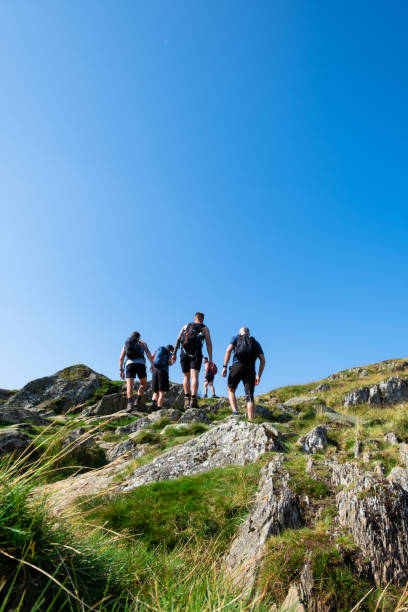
<point x="139" y="403"/>
<point x="129" y="408"/>
<point x="187" y="400"/>
<point x="194" y="403"/>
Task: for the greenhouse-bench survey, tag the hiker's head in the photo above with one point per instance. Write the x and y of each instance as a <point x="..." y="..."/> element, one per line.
<point x="244" y="331"/>
<point x="205" y="359"/>
<point x="199" y="317"/>
<point x="136" y="335"/>
<point x="170" y="348"/>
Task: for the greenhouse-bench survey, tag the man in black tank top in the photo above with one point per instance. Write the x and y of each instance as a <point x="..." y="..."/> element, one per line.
<point x="191" y="338"/>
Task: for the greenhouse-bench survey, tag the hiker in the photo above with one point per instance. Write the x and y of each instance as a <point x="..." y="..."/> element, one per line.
<point x="246" y="351"/>
<point x="209" y="373"/>
<point x="191" y="338"/>
<point x="134" y="350"/>
<point x="162" y="359"/>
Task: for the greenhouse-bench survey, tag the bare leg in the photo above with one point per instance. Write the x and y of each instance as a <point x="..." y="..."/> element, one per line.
<point x="232" y="400"/>
<point x="186" y="383"/>
<point x="161" y="399"/>
<point x="205" y="388"/>
<point x="142" y="387"/>
<point x="194" y="381"/>
<point x="212" y="388"/>
<point x="129" y="387"/>
<point x="250" y="410"/>
<point x="155" y="396"/>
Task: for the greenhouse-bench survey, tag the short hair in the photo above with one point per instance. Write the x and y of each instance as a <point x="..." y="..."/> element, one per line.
<point x="244" y="331"/>
<point x="170" y="348"/>
<point x="205" y="358"/>
<point x="200" y="316"/>
<point x="136" y="335"/>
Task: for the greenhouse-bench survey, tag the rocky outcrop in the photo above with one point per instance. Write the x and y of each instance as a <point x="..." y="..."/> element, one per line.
<point x="79" y="437"/>
<point x="390" y="391"/>
<point x="13" y="439"/>
<point x="68" y="387"/>
<point x="13" y="415"/>
<point x="275" y="508"/>
<point x="403" y="452"/>
<point x="194" y="415"/>
<point x="169" y="414"/>
<point x="399" y="475"/>
<point x="391" y="438"/>
<point x="375" y="511"/>
<point x="5" y="395"/>
<point x="315" y="441"/>
<point x="108" y="404"/>
<point x="127" y="447"/>
<point x="300" y="399"/>
<point x="133" y="427"/>
<point x="230" y="443"/>
<point x="321" y="388"/>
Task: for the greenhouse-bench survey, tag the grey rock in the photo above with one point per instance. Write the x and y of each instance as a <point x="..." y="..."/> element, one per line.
<point x="403" y="452"/>
<point x="233" y="442"/>
<point x="399" y="476"/>
<point x="288" y="410"/>
<point x="338" y="417"/>
<point x="194" y="415"/>
<point x="5" y="395"/>
<point x="322" y="387"/>
<point x="133" y="427"/>
<point x="13" y="415"/>
<point x="79" y="437"/>
<point x="343" y="474"/>
<point x="214" y="408"/>
<point x="165" y="413"/>
<point x="13" y="439"/>
<point x="108" y="404"/>
<point x="176" y="426"/>
<point x="275" y="509"/>
<point x="390" y="391"/>
<point x="263" y="412"/>
<point x="127" y="447"/>
<point x="66" y="388"/>
<point x="391" y="438"/>
<point x="375" y="511"/>
<point x="315" y="441"/>
<point x="357" y="449"/>
<point x="299" y="400"/>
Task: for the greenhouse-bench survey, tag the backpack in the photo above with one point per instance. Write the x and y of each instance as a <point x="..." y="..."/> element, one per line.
<point x="134" y="349"/>
<point x="213" y="369"/>
<point x="161" y="357"/>
<point x="246" y="350"/>
<point x="193" y="338"/>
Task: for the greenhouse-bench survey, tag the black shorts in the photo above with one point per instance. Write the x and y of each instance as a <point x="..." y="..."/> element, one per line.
<point x="209" y="378"/>
<point x="136" y="369"/>
<point x="244" y="372"/>
<point x="190" y="363"/>
<point x="160" y="380"/>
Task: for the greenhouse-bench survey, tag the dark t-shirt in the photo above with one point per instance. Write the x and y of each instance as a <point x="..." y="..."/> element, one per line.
<point x="234" y="341"/>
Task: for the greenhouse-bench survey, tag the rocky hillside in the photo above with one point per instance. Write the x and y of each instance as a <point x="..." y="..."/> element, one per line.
<point x="306" y="508"/>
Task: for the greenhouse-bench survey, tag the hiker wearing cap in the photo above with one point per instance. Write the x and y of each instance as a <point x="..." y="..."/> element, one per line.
<point x="209" y="373"/>
<point x="134" y="350"/>
<point x="162" y="359"/>
<point x="246" y="351"/>
<point x="191" y="338"/>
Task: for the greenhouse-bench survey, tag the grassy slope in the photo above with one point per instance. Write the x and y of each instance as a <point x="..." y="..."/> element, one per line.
<point x="169" y="536"/>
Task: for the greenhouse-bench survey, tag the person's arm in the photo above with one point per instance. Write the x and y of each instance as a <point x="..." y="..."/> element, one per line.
<point x="178" y="342"/>
<point x="208" y="343"/>
<point x="150" y="358"/>
<point x="228" y="352"/>
<point x="121" y="360"/>
<point x="261" y="358"/>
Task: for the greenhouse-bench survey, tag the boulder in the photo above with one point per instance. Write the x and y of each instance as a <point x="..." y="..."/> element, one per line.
<point x="127" y="447"/>
<point x="108" y="404"/>
<point x="232" y="442"/>
<point x="321" y="388"/>
<point x="391" y="438"/>
<point x="13" y="439"/>
<point x="301" y="399"/>
<point x="275" y="509"/>
<point x="67" y="387"/>
<point x="78" y="437"/>
<point x="263" y="412"/>
<point x="399" y="476"/>
<point x="315" y="441"/>
<point x="194" y="415"/>
<point x="176" y="426"/>
<point x="390" y="391"/>
<point x="403" y="452"/>
<point x="375" y="511"/>
<point x="14" y="415"/>
<point x="164" y="413"/>
<point x="133" y="427"/>
<point x="338" y="417"/>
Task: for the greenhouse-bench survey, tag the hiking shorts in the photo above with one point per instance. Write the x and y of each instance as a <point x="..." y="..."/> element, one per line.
<point x="136" y="369"/>
<point x="160" y="380"/>
<point x="190" y="363"/>
<point x="209" y="378"/>
<point x="244" y="372"/>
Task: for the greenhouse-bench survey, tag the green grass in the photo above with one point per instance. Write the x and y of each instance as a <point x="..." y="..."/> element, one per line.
<point x="202" y="507"/>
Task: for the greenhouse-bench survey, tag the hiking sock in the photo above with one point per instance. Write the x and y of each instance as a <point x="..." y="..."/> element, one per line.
<point x="193" y="403"/>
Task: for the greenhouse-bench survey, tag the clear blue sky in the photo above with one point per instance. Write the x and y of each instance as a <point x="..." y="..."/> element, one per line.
<point x="247" y="159"/>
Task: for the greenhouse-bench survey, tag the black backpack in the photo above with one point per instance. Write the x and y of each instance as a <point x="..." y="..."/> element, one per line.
<point x="193" y="338"/>
<point x="133" y="348"/>
<point x="246" y="350"/>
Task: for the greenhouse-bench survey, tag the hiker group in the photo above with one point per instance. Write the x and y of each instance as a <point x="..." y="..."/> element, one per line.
<point x="245" y="349"/>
